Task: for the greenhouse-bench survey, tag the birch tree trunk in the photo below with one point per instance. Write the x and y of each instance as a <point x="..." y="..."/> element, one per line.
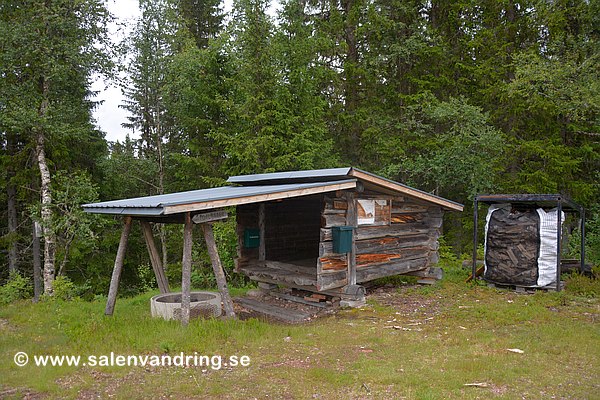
<point x="37" y="263"/>
<point x="49" y="235"/>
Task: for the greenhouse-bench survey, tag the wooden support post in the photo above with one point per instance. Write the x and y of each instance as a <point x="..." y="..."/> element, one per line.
<point x="475" y="238"/>
<point x="582" y="232"/>
<point x="262" y="252"/>
<point x="186" y="270"/>
<point x="558" y="242"/>
<point x="116" y="275"/>
<point x="159" y="272"/>
<point x="352" y="220"/>
<point x="213" y="252"/>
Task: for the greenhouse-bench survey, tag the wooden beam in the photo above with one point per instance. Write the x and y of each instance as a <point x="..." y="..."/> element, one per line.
<point x="352" y="220"/>
<point x="186" y="270"/>
<point x="213" y="252"/>
<point x="206" y="205"/>
<point x="159" y="272"/>
<point x="210" y="216"/>
<point x="406" y="190"/>
<point x="262" y="252"/>
<point x="116" y="275"/>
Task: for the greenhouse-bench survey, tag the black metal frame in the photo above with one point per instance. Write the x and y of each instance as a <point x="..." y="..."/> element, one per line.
<point x="561" y="202"/>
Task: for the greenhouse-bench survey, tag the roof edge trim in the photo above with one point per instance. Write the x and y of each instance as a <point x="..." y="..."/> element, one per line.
<point x="283" y="194"/>
<point x="388" y="183"/>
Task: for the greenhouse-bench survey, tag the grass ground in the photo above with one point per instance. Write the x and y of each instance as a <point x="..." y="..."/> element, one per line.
<point x="409" y="342"/>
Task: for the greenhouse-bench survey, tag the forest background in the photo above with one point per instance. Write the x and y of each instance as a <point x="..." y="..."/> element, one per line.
<point x="453" y="97"/>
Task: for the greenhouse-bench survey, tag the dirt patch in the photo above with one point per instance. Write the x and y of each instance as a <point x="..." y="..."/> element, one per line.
<point x="103" y="384"/>
<point x="20" y="393"/>
<point x="304" y="363"/>
<point x="5" y="325"/>
<point x="406" y="302"/>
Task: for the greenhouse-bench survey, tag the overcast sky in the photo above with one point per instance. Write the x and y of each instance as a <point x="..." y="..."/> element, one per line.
<point x="108" y="115"/>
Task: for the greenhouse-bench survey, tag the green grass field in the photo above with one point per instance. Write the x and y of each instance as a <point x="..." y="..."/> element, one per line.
<point x="409" y="342"/>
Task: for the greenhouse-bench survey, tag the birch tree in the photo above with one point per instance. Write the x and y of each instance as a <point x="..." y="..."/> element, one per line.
<point x="49" y="51"/>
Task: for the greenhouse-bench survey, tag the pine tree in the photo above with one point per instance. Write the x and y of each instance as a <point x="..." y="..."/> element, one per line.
<point x="203" y="19"/>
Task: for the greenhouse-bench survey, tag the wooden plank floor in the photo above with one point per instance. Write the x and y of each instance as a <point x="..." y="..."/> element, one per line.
<point x="271" y="311"/>
<point x="300" y="273"/>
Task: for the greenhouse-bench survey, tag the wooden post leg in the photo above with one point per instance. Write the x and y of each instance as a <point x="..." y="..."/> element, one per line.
<point x="116" y="275"/>
<point x="262" y="253"/>
<point x="159" y="272"/>
<point x="186" y="270"/>
<point x="351" y="220"/>
<point x="209" y="237"/>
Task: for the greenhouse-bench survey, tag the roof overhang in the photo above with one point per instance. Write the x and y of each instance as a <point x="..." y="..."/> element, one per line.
<point x="208" y="199"/>
<point x="263" y="187"/>
<point x="277" y="194"/>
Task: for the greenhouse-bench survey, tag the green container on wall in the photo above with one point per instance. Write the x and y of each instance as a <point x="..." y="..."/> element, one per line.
<point x="342" y="239"/>
<point x="251" y="238"/>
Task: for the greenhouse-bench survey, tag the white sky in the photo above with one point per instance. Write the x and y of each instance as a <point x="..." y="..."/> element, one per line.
<point x="108" y="115"/>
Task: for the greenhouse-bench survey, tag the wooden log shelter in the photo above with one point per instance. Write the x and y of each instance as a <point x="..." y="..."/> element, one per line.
<point x="325" y="230"/>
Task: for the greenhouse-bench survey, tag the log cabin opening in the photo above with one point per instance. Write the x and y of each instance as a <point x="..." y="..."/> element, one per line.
<point x="291" y="229"/>
<point x="291" y="239"/>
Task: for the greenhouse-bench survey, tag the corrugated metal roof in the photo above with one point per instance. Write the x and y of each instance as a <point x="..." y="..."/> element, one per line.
<point x="305" y="176"/>
<point x="155" y="205"/>
<point x="262" y="187"/>
<point x="331" y="174"/>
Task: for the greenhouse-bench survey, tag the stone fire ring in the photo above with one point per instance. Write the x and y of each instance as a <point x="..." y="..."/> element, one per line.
<point x="202" y="305"/>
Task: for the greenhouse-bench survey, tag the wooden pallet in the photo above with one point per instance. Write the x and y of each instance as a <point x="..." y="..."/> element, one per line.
<point x="526" y="289"/>
<point x="308" y="300"/>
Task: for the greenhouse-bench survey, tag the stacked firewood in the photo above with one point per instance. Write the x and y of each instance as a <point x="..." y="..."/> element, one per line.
<point x="512" y="247"/>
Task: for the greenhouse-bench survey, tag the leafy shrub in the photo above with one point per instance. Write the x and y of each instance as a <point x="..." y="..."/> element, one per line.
<point x="64" y="288"/>
<point x="583" y="286"/>
<point x="16" y="288"/>
<point x="173" y="273"/>
<point x="146" y="277"/>
<point x="203" y="278"/>
<point x="446" y="252"/>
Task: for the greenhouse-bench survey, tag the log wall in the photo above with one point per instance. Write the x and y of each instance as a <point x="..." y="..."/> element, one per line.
<point x="409" y="243"/>
<point x="300" y="228"/>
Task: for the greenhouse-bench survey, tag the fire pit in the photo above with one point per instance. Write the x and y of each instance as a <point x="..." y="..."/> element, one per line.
<point x="202" y="305"/>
